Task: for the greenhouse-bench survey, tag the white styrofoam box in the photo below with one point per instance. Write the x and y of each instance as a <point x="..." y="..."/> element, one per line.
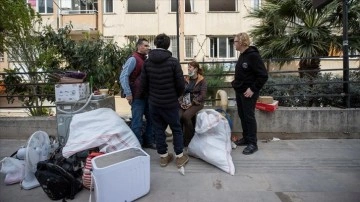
<point x="71" y="92"/>
<point x="122" y="175"/>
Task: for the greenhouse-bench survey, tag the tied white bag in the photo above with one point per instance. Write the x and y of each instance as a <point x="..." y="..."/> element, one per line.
<point x="14" y="170"/>
<point x="211" y="141"/>
<point x="102" y="128"/>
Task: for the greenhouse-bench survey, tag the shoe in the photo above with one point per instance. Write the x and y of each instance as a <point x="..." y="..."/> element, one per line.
<point x="150" y="146"/>
<point x="181" y="161"/>
<point x="164" y="161"/>
<point x="241" y="142"/>
<point x="250" y="149"/>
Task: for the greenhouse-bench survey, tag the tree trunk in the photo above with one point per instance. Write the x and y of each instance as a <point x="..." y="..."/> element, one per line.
<point x="311" y="67"/>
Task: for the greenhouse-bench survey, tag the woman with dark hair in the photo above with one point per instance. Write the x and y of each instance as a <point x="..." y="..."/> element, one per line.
<point x="192" y="100"/>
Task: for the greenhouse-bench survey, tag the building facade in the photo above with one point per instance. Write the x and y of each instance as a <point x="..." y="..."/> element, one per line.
<point x="206" y="27"/>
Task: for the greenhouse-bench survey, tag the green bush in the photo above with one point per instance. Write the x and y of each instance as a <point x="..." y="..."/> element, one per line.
<point x="323" y="91"/>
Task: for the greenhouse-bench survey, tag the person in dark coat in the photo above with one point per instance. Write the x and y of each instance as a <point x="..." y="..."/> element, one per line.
<point x="193" y="99"/>
<point x="163" y="80"/>
<point x="250" y="77"/>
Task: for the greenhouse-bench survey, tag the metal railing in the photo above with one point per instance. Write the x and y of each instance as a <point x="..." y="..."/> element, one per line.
<point x="226" y="75"/>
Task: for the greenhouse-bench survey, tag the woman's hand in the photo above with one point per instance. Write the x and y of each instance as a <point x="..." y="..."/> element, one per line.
<point x="183" y="106"/>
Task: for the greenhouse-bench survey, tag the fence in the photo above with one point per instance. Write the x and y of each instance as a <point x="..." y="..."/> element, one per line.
<point x="284" y="84"/>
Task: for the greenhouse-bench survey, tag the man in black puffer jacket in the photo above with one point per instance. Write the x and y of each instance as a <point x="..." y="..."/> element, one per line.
<point x="163" y="80"/>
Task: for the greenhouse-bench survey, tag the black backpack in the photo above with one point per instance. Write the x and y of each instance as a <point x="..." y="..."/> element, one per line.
<point x="56" y="182"/>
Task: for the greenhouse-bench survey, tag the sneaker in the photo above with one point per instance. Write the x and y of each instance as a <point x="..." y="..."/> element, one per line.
<point x="241" y="142"/>
<point x="164" y="161"/>
<point x="250" y="149"/>
<point x="181" y="161"/>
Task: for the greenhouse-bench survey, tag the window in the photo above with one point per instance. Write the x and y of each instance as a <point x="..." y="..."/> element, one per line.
<point x="256" y="4"/>
<point x="141" y="6"/>
<point x="150" y="38"/>
<point x="45" y="6"/>
<point x="108" y="6"/>
<point x="108" y="39"/>
<point x="189" y="5"/>
<point x="189" y="46"/>
<point x="222" y="47"/>
<point x="223" y="5"/>
<point x="1" y="57"/>
<point x="79" y="6"/>
<point x="173" y="46"/>
<point x="12" y="57"/>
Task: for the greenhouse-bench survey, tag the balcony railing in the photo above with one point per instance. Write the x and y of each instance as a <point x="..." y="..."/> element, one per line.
<point x="334" y="93"/>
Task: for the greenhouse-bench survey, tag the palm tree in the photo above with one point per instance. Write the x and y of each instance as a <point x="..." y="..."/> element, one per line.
<point x="293" y="28"/>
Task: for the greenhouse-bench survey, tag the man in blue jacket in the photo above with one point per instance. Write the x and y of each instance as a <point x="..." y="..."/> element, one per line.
<point x="130" y="82"/>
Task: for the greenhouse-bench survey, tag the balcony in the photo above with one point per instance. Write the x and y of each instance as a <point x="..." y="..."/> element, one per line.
<point x="80" y="19"/>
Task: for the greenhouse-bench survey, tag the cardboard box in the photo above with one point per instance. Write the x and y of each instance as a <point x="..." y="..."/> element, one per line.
<point x="266" y="99"/>
<point x="267" y="107"/>
<point x="71" y="92"/>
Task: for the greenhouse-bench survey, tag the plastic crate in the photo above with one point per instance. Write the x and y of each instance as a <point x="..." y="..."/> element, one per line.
<point x="122" y="175"/>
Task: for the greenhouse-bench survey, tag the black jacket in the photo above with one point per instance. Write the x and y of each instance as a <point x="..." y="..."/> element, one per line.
<point x="250" y="71"/>
<point x="162" y="79"/>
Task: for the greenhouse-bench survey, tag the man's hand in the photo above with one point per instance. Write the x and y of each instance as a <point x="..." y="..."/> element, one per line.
<point x="248" y="93"/>
<point x="129" y="99"/>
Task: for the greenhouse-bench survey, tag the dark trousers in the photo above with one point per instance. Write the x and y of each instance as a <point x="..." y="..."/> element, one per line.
<point x="161" y="118"/>
<point x="246" y="111"/>
<point x="187" y="117"/>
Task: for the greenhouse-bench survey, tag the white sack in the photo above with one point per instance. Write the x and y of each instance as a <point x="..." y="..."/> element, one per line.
<point x="14" y="170"/>
<point x="102" y="128"/>
<point x="212" y="140"/>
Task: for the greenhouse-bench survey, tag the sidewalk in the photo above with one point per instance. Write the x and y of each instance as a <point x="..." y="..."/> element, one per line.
<point x="281" y="171"/>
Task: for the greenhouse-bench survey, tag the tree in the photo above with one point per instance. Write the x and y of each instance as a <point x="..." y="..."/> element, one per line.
<point x="37" y="51"/>
<point x="293" y="28"/>
<point x="20" y="30"/>
<point x="97" y="58"/>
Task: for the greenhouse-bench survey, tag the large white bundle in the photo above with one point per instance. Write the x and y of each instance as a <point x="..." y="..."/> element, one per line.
<point x="211" y="141"/>
<point x="102" y="128"/>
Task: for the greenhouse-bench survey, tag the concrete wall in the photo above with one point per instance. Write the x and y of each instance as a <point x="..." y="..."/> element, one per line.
<point x="284" y="123"/>
<point x="302" y="123"/>
<point x="24" y="127"/>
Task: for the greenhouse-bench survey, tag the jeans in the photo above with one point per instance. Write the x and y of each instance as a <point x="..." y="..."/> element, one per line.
<point x="246" y="111"/>
<point x="139" y="108"/>
<point x="161" y="118"/>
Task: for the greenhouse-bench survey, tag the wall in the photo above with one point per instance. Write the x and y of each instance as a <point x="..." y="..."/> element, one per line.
<point x="303" y="122"/>
<point x="284" y="123"/>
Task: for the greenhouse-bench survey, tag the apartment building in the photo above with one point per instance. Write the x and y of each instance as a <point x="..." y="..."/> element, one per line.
<point x="205" y="27"/>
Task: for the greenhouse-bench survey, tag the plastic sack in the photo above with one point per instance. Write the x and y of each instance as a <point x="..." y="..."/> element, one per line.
<point x="14" y="170"/>
<point x="212" y="140"/>
<point x="102" y="128"/>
